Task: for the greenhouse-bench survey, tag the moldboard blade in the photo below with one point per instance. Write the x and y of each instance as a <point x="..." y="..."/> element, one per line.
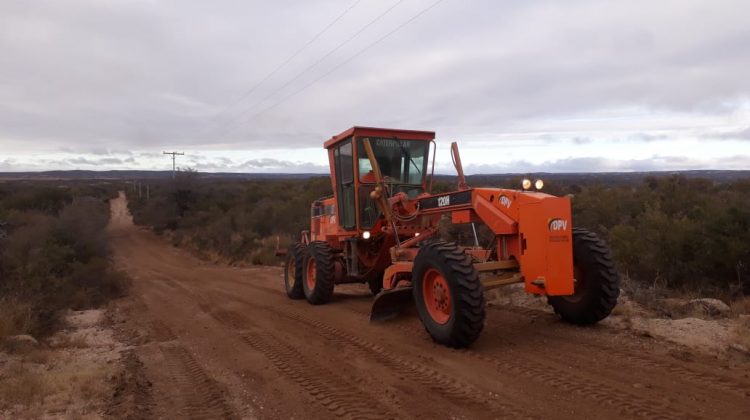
<point x="389" y="304"/>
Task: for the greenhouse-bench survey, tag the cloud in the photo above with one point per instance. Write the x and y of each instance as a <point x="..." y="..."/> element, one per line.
<point x="602" y="164"/>
<point x="114" y="78"/>
<point x="741" y="134"/>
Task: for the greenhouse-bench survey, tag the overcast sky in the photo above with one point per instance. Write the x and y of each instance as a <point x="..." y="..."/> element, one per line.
<point x="524" y="86"/>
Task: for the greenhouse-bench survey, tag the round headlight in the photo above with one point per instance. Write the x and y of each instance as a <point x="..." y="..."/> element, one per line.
<point x="526" y="184"/>
<point x="366" y="234"/>
<point x="538" y="184"/>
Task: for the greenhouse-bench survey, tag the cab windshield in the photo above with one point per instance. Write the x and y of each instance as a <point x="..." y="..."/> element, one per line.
<point x="400" y="161"/>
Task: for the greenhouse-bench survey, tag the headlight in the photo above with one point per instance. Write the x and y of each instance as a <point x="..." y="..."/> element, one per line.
<point x="526" y="184"/>
<point x="366" y="234"/>
<point x="538" y="184"/>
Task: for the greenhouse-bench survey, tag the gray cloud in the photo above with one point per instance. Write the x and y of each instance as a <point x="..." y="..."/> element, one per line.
<point x="743" y="134"/>
<point x="114" y="78"/>
<point x="602" y="164"/>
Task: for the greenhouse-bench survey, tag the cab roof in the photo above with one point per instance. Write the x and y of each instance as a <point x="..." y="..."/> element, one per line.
<point x="379" y="132"/>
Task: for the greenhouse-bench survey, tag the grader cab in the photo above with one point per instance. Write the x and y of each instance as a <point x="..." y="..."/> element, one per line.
<point x="382" y="227"/>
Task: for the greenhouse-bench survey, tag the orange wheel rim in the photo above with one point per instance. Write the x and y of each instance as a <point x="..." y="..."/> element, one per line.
<point x="437" y="296"/>
<point x="311" y="274"/>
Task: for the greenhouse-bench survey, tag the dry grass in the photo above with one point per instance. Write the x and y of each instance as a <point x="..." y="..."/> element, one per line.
<point x="741" y="333"/>
<point x="29" y="384"/>
<point x="15" y="317"/>
<point x="76" y="341"/>
<point x="21" y="385"/>
<point x="39" y="356"/>
<point x="740" y="306"/>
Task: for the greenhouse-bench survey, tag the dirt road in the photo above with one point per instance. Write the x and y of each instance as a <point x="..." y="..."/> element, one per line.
<point x="216" y="341"/>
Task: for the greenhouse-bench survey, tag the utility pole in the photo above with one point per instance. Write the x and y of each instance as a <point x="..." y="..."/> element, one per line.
<point x="174" y="157"/>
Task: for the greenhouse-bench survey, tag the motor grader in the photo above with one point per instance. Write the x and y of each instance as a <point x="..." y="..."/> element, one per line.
<point x="381" y="227"/>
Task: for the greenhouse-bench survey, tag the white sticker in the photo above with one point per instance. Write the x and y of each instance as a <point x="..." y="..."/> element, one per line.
<point x="505" y="201"/>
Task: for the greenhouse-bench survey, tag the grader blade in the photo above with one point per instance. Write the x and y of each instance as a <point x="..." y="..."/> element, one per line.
<point x="389" y="304"/>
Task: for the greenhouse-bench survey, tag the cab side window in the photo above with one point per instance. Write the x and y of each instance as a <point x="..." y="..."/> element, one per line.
<point x="345" y="184"/>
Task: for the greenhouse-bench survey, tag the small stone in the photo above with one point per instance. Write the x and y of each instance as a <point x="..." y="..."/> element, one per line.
<point x="712" y="307"/>
<point x="739" y="347"/>
<point x="23" y="342"/>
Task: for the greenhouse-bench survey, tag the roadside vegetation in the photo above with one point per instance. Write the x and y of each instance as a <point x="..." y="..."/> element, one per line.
<point x="667" y="232"/>
<point x="236" y="221"/>
<point x="54" y="253"/>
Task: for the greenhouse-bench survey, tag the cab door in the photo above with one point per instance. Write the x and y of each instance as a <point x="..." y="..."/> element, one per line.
<point x="343" y="159"/>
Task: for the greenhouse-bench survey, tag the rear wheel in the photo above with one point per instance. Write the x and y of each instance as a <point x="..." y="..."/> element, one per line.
<point x="597" y="285"/>
<point x="319" y="272"/>
<point x="448" y="294"/>
<point x="295" y="261"/>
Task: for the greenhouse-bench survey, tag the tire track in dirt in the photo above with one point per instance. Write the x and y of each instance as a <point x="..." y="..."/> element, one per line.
<point x="631" y="355"/>
<point x="336" y="394"/>
<point x="547" y="374"/>
<point x="160" y="332"/>
<point x="458" y="391"/>
<point x="339" y="396"/>
<point x="455" y="390"/>
<point x="585" y="386"/>
<point x="203" y="398"/>
<point x="590" y="390"/>
<point x="131" y="397"/>
<point x="644" y="408"/>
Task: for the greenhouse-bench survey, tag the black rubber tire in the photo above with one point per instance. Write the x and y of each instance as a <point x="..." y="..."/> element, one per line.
<point x="295" y="260"/>
<point x="322" y="292"/>
<point x="467" y="294"/>
<point x="599" y="286"/>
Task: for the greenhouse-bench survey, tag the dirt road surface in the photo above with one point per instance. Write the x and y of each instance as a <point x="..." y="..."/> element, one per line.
<point x="213" y="341"/>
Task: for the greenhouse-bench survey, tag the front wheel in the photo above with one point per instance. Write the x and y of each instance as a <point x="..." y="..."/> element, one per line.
<point x="597" y="285"/>
<point x="448" y="294"/>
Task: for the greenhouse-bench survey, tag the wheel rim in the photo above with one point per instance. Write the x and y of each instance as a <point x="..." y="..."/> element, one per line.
<point x="290" y="271"/>
<point x="437" y="296"/>
<point x="310" y="274"/>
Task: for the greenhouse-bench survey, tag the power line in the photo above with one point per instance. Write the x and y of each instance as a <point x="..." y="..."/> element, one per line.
<point x="347" y="61"/>
<point x="321" y="59"/>
<point x="289" y="59"/>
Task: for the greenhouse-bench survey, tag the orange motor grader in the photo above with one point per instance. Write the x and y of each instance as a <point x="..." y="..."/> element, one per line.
<point x="381" y="227"/>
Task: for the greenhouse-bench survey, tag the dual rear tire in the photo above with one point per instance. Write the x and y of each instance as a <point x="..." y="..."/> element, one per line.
<point x="293" y="269"/>
<point x="309" y="272"/>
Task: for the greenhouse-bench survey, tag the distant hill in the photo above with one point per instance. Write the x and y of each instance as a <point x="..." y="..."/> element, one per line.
<point x="480" y="179"/>
<point x="132" y="174"/>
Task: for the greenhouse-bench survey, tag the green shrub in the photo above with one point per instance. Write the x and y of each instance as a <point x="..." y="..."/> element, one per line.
<point x="53" y="258"/>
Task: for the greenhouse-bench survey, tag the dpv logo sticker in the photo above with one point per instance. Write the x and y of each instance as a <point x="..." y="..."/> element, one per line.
<point x="558" y="225"/>
<point x="505" y="201"/>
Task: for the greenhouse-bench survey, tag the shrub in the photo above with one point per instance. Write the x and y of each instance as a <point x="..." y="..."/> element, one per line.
<point x="53" y="258"/>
